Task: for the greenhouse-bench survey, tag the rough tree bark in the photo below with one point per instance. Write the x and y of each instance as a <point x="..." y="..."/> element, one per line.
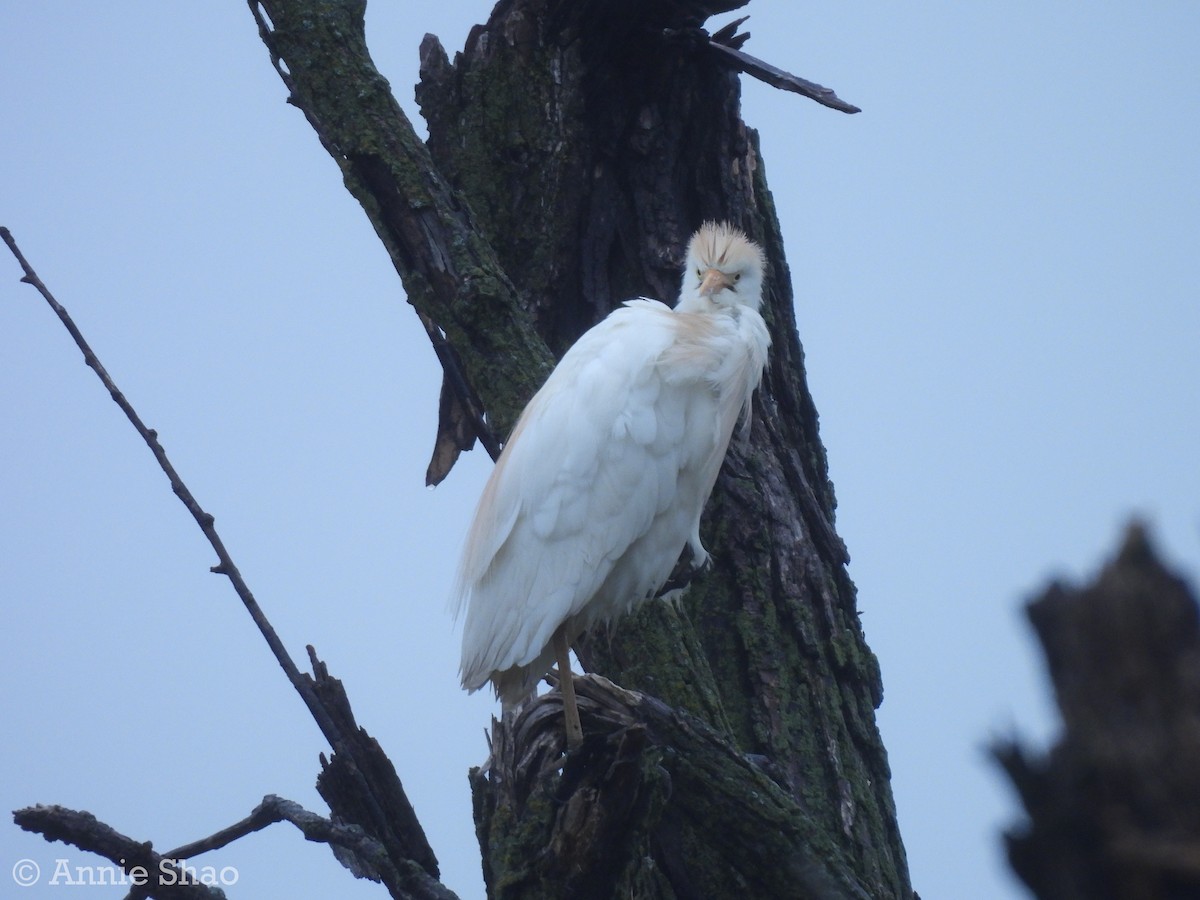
<point x="573" y="148"/>
<point x="590" y="142"/>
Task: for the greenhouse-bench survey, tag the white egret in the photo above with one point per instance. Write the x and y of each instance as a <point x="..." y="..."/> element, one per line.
<point x="603" y="480"/>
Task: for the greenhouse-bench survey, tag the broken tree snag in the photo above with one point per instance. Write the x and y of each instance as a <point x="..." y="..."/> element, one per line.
<point x="1114" y="807"/>
<point x="362" y="788"/>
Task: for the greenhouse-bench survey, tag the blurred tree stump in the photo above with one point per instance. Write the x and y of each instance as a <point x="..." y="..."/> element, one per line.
<point x="1114" y="808"/>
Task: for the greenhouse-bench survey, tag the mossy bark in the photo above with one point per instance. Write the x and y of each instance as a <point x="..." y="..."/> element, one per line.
<point x="574" y="146"/>
<point x="450" y="273"/>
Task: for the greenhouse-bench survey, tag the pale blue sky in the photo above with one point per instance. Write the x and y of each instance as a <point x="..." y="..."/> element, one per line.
<point x="997" y="268"/>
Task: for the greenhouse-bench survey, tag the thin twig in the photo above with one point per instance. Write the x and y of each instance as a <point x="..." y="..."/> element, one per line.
<point x="408" y="874"/>
<point x="359" y="851"/>
<point x="265" y="814"/>
<point x="205" y="520"/>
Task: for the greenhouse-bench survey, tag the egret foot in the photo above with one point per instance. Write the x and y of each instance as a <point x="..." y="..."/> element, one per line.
<point x="566" y="684"/>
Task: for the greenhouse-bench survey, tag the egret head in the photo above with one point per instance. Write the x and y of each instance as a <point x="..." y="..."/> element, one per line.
<point x="724" y="268"/>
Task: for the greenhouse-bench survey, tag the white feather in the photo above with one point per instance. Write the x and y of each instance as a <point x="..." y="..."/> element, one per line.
<point x="604" y="478"/>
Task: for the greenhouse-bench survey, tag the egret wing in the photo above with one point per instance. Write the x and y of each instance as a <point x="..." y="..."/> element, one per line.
<point x="580" y="479"/>
<point x="604" y="479"/>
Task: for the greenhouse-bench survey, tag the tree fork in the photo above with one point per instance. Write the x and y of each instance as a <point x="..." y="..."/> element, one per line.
<point x="573" y="148"/>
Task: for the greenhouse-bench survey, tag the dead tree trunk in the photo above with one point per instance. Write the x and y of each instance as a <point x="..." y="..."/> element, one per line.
<point x="574" y="145"/>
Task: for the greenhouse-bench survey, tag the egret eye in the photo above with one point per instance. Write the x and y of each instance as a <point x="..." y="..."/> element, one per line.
<point x="737" y="276"/>
<point x="700" y="274"/>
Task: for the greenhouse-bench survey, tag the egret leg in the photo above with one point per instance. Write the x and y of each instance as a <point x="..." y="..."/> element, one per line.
<point x="566" y="684"/>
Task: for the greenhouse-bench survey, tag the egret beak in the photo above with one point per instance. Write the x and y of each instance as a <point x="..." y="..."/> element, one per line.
<point x="713" y="282"/>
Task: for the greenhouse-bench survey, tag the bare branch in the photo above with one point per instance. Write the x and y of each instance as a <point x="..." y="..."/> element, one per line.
<point x="205" y="520"/>
<point x="266" y="813"/>
<point x="164" y="876"/>
<point x="368" y="789"/>
<point x="362" y="854"/>
<point x="158" y="876"/>
<point x="726" y="44"/>
<point x="778" y="78"/>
